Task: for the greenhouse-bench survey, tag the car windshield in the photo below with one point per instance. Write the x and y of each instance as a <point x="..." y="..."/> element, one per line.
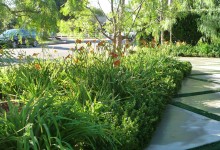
<point x="20" y="32"/>
<point x="9" y="33"/>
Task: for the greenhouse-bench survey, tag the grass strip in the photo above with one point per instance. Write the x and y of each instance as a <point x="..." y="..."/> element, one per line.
<point x="204" y="80"/>
<point x="196" y="110"/>
<point x="195" y="93"/>
<point x="210" y="146"/>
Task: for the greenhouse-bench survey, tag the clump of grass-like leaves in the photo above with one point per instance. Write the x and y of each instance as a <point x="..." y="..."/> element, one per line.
<point x="87" y="101"/>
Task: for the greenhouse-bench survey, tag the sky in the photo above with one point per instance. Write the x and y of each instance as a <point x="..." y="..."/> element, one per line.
<point x="105" y="5"/>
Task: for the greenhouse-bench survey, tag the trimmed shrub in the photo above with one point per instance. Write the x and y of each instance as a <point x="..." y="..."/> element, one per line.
<point x="186" y="29"/>
<point x="200" y="50"/>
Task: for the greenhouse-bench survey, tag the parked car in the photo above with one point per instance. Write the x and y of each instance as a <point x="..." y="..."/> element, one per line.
<point x="18" y="37"/>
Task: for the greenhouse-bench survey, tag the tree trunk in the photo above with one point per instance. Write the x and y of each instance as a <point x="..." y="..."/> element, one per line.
<point x="114" y="44"/>
<point x="120" y="11"/>
<point x="162" y="37"/>
<point x="161" y="18"/>
<point x="169" y="4"/>
<point x="119" y="41"/>
<point x="171" y="34"/>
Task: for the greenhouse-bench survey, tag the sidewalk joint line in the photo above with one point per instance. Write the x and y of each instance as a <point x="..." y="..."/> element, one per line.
<point x="212" y="146"/>
<point x="203" y="80"/>
<point x="196" y="110"/>
<point x="196" y="93"/>
<point x="198" y="74"/>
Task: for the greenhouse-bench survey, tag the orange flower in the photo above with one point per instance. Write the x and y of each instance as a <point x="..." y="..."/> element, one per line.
<point x="143" y="42"/>
<point x="114" y="55"/>
<point x="35" y="54"/>
<point x="153" y="43"/>
<point x="91" y="50"/>
<point x="71" y="49"/>
<point x="20" y="56"/>
<point x="81" y="48"/>
<point x="78" y="41"/>
<point x="89" y="43"/>
<point x="76" y="60"/>
<point x="122" y="54"/>
<point x="166" y="42"/>
<point x="101" y="43"/>
<point x="178" y="43"/>
<point x="37" y="66"/>
<point x="68" y="56"/>
<point x="116" y="63"/>
<point x="127" y="45"/>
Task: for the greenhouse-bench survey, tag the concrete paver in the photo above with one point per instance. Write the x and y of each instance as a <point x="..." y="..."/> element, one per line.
<point x="181" y="129"/>
<point x="191" y="86"/>
<point x="215" y="77"/>
<point x="203" y="65"/>
<point x="198" y="71"/>
<point x="198" y="61"/>
<point x="208" y="67"/>
<point x="206" y="102"/>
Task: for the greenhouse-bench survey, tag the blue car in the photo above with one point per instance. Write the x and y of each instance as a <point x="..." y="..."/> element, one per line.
<point x="18" y="37"/>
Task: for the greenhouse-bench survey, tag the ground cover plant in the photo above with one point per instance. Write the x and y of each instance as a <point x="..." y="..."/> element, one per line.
<point x="199" y="50"/>
<point x="87" y="101"/>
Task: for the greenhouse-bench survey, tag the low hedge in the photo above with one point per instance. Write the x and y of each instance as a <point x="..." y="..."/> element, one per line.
<point x="88" y="102"/>
<point x="200" y="50"/>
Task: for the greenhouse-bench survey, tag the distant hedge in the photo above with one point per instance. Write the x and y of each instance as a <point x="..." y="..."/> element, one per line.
<point x="186" y="29"/>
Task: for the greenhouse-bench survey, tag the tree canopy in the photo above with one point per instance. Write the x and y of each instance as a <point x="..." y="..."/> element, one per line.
<point x="133" y="16"/>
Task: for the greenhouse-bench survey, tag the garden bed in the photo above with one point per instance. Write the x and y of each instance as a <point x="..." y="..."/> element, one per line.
<point x="88" y="101"/>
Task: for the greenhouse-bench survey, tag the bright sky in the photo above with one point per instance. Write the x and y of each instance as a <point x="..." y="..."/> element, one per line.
<point x="105" y="5"/>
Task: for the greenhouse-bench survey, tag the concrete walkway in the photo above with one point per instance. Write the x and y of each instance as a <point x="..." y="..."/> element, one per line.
<point x="193" y="119"/>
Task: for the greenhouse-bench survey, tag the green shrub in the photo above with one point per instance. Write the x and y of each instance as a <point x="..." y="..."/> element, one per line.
<point x="88" y="103"/>
<point x="186" y="28"/>
<point x="200" y="50"/>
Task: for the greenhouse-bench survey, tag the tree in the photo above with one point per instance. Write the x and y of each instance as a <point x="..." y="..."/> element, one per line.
<point x="80" y="20"/>
<point x="158" y="16"/>
<point x="209" y="24"/>
<point x="41" y="15"/>
<point x="120" y="20"/>
<point x="3" y="13"/>
<point x="210" y="20"/>
<point x="186" y="29"/>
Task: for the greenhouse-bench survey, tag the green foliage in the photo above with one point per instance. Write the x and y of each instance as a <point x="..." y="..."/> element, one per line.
<point x="86" y="102"/>
<point x="81" y="23"/>
<point x="200" y="50"/>
<point x="72" y="7"/>
<point x="209" y="24"/>
<point x="6" y="56"/>
<point x="43" y="18"/>
<point x="186" y="30"/>
<point x="4" y="21"/>
<point x="39" y="15"/>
